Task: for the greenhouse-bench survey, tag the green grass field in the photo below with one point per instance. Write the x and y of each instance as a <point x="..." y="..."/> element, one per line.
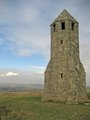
<point x="28" y="106"/>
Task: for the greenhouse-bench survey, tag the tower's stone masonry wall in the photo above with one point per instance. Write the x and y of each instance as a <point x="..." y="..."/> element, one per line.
<point x="65" y="77"/>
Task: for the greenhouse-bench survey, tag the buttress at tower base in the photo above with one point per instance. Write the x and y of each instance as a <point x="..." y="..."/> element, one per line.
<point x="71" y="92"/>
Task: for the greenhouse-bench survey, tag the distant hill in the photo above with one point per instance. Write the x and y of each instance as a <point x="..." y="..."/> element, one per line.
<point x="23" y="87"/>
<point x="20" y="87"/>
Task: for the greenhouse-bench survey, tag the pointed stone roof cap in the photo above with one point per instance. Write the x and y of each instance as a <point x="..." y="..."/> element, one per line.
<point x="65" y="15"/>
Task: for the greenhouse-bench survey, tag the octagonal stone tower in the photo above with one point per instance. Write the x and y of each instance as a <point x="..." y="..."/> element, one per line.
<point x="65" y="75"/>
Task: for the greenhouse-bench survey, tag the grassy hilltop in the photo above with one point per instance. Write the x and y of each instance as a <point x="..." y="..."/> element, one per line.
<point x="28" y="106"/>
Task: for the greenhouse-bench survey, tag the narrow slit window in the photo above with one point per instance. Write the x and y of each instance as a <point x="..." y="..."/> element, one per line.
<point x="54" y="28"/>
<point x="63" y="25"/>
<point x="61" y="41"/>
<point x="61" y="75"/>
<point x="72" y="25"/>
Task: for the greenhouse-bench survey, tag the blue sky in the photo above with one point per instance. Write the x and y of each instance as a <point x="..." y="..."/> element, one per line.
<point x="25" y="37"/>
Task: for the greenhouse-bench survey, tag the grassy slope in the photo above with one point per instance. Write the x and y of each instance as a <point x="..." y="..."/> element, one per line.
<point x="28" y="106"/>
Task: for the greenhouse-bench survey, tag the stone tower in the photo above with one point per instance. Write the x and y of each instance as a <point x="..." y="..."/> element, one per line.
<point x="65" y="75"/>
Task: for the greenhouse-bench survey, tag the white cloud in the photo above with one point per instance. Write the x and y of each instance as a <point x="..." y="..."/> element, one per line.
<point x="12" y="74"/>
<point x="22" y="76"/>
<point x="9" y="74"/>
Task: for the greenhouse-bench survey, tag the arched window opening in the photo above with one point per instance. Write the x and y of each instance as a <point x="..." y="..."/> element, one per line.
<point x="72" y="25"/>
<point x="63" y="25"/>
<point x="61" y="41"/>
<point x="54" y="27"/>
<point x="61" y="75"/>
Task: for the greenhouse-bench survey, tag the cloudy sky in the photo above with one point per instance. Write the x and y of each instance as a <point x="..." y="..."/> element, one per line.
<point x="25" y="37"/>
